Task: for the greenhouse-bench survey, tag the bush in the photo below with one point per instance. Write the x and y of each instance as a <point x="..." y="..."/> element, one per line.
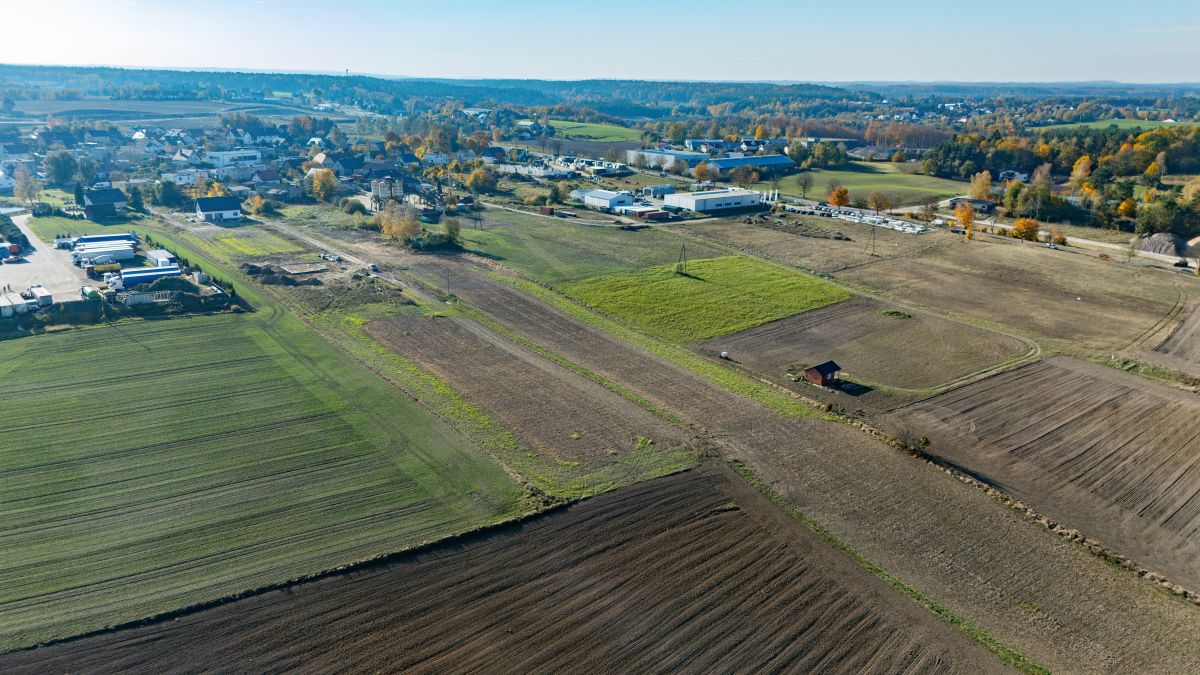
<point x="354" y="207"/>
<point x="1025" y="228"/>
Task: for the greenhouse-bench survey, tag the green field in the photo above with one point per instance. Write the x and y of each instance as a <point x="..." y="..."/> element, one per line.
<point x="252" y="242"/>
<point x="1104" y="124"/>
<point x="589" y="131"/>
<point x="717" y="296"/>
<point x="862" y="178"/>
<point x="557" y="250"/>
<point x="154" y="464"/>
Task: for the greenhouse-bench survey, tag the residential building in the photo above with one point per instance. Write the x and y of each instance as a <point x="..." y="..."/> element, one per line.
<point x="103" y="204"/>
<point x="219" y="209"/>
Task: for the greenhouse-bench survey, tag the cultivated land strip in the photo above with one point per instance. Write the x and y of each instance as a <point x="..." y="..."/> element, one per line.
<point x="690" y="573"/>
<point x="1047" y="598"/>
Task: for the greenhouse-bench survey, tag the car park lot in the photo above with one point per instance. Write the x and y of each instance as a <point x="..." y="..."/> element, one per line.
<point x="43" y="265"/>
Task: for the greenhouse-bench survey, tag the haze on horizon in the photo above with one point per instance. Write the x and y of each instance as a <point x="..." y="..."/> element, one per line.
<point x="855" y="40"/>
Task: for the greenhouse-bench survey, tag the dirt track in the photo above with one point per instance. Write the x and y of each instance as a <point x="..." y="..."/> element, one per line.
<point x="1042" y="595"/>
<point x="1184" y="341"/>
<point x="690" y="573"/>
<point x="1112" y="454"/>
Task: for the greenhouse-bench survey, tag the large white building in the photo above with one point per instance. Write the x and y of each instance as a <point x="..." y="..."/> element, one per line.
<point x="606" y="199"/>
<point x="707" y="201"/>
<point x="228" y="158"/>
<point x="665" y="159"/>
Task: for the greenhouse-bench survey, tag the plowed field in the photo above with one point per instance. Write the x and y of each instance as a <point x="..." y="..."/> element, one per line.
<point x="690" y="573"/>
<point x="872" y="346"/>
<point x="1112" y="454"/>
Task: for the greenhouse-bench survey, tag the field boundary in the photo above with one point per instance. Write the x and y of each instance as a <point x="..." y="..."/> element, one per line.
<point x="1005" y="653"/>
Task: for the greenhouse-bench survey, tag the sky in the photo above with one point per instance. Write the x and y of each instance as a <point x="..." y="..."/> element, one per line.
<point x="846" y="40"/>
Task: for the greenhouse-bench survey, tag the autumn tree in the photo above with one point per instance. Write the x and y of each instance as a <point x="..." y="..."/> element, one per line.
<point x="879" y="201"/>
<point x="981" y="185"/>
<point x="1025" y="228"/>
<point x="26" y="186"/>
<point x="804" y="183"/>
<point x="481" y="181"/>
<point x="1127" y="208"/>
<point x="964" y="213"/>
<point x="217" y="190"/>
<point x="701" y="172"/>
<point x="839" y="195"/>
<point x="400" y="221"/>
<point x="760" y="132"/>
<point x="1080" y="172"/>
<point x="1041" y="176"/>
<point x="324" y="185"/>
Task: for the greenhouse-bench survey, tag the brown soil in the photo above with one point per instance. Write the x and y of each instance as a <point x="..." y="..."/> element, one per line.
<point x="895" y="350"/>
<point x="559" y="414"/>
<point x="689" y="573"/>
<point x="1042" y="595"/>
<point x="1184" y="342"/>
<point x="1109" y="453"/>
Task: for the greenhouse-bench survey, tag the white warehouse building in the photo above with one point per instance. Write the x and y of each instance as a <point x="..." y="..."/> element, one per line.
<point x="606" y="199"/>
<point x="707" y="201"/>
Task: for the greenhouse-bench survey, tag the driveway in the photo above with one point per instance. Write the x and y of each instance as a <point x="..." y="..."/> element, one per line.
<point x="43" y="265"/>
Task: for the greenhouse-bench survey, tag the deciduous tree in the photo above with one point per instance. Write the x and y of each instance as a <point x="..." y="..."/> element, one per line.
<point x="879" y="201"/>
<point x="1128" y="208"/>
<point x="804" y="181"/>
<point x="964" y="213"/>
<point x="400" y="221"/>
<point x="26" y="186"/>
<point x="481" y="181"/>
<point x="324" y="185"/>
<point x="981" y="185"/>
<point x="701" y="172"/>
<point x="839" y="195"/>
<point x="1025" y="228"/>
<point x="60" y="167"/>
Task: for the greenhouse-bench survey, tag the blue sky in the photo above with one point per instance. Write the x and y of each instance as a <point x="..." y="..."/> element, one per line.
<point x="1004" y="40"/>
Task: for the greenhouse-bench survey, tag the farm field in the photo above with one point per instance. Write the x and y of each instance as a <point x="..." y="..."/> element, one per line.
<point x="1145" y="125"/>
<point x="1110" y="453"/>
<point x="661" y="575"/>
<point x="716" y="296"/>
<point x="1184" y="342"/>
<point x="789" y="241"/>
<point x="862" y="178"/>
<point x="1043" y="596"/>
<point x="557" y="250"/>
<point x="591" y="131"/>
<point x="1036" y="292"/>
<point x="873" y="345"/>
<point x="130" y="110"/>
<point x="582" y="438"/>
<point x="155" y="464"/>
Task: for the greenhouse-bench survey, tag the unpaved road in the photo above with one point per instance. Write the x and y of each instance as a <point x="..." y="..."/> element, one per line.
<point x="690" y="573"/>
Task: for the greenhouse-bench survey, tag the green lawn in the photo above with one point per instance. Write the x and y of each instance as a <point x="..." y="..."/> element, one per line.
<point x="1104" y="124"/>
<point x="149" y="465"/>
<point x="862" y="178"/>
<point x="717" y="296"/>
<point x="589" y="131"/>
<point x="251" y="241"/>
<point x="557" y="250"/>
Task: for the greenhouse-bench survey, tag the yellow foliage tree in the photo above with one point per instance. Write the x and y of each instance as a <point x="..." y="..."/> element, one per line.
<point x="964" y="213"/>
<point x="399" y="221"/>
<point x="760" y="132"/>
<point x="1080" y="172"/>
<point x="981" y="185"/>
<point x="701" y="171"/>
<point x="217" y="190"/>
<point x="324" y="185"/>
<point x="839" y="196"/>
<point x="1025" y="228"/>
<point x="1127" y="208"/>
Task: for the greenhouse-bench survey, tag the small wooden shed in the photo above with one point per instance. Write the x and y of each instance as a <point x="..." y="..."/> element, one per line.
<point x="823" y="374"/>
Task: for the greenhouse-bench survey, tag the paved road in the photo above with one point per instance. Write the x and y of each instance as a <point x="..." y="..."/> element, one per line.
<point x="43" y="265"/>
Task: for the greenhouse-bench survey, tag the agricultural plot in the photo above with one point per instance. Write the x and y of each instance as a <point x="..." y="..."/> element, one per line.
<point x="557" y="250"/>
<point x="1077" y="299"/>
<point x="688" y="573"/>
<point x="148" y="466"/>
<point x="120" y="110"/>
<point x="1125" y="124"/>
<point x="250" y="241"/>
<point x="863" y="178"/>
<point x="874" y="345"/>
<point x="581" y="437"/>
<point x="591" y="131"/>
<point x="1107" y="452"/>
<point x="1184" y="341"/>
<point x="814" y="243"/>
<point x="714" y="297"/>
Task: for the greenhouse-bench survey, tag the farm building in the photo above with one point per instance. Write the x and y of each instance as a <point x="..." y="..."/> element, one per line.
<point x="708" y="201"/>
<point x="823" y="374"/>
<point x="219" y="209"/>
<point x="760" y="162"/>
<point x="664" y="159"/>
<point x="160" y="258"/>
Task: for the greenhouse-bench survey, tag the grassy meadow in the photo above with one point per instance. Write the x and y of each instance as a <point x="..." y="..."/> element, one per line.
<point x="590" y="131"/>
<point x="716" y="296"/>
<point x="862" y="178"/>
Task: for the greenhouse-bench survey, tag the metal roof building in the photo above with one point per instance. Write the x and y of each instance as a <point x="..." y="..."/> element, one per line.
<point x="778" y="162"/>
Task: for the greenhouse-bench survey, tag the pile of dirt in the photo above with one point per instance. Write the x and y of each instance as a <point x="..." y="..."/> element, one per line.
<point x="1163" y="243"/>
<point x="272" y="275"/>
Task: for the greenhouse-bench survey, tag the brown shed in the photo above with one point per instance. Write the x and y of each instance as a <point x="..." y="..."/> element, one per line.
<point x="823" y="374"/>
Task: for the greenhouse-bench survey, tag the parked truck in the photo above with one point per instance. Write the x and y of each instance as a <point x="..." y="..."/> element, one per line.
<point x="100" y="256"/>
<point x="43" y="297"/>
<point x="97" y="271"/>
